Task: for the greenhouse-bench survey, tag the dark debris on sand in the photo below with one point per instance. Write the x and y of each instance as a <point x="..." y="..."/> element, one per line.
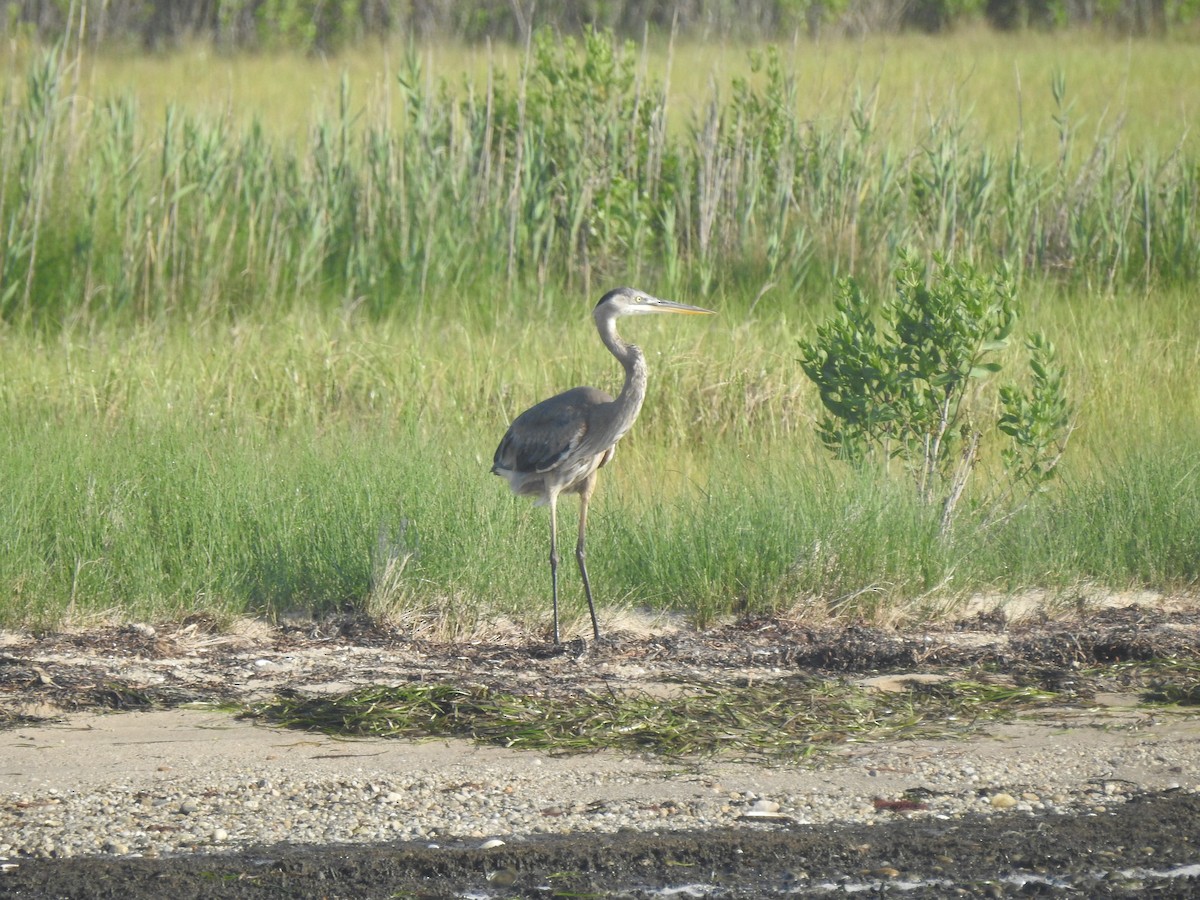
<point x="89" y="670"/>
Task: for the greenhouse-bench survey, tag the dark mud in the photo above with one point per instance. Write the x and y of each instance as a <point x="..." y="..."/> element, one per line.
<point x="1127" y="852"/>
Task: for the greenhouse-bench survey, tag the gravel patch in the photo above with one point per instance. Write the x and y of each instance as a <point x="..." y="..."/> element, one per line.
<point x="179" y="781"/>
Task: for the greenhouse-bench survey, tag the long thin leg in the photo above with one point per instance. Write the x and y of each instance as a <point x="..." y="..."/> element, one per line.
<point x="554" y="558"/>
<point x="581" y="554"/>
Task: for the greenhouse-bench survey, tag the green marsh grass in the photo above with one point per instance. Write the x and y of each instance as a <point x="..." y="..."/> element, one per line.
<point x="787" y="720"/>
<point x="320" y="463"/>
<point x="577" y="168"/>
<point x="257" y="350"/>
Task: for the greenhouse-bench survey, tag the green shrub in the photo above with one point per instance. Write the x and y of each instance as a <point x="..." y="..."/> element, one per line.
<point x="913" y="391"/>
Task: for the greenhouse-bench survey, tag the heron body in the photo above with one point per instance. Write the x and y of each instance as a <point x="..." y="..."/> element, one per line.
<point x="559" y="445"/>
<point x="546" y="450"/>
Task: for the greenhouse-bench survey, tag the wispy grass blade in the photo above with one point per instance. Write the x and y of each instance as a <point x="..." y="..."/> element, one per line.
<point x="792" y="719"/>
<point x="561" y="178"/>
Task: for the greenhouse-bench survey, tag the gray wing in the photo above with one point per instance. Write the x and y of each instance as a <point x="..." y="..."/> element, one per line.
<point x="545" y="435"/>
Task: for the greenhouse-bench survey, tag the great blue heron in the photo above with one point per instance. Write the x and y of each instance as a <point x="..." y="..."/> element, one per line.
<point x="557" y="446"/>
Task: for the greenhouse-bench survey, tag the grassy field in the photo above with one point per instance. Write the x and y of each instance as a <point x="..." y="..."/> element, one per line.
<point x="1147" y="88"/>
<point x="258" y="345"/>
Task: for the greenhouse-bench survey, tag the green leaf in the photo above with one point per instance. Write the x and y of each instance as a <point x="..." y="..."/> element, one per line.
<point x="983" y="370"/>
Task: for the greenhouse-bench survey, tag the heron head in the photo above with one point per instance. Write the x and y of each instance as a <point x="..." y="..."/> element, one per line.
<point x="627" y="301"/>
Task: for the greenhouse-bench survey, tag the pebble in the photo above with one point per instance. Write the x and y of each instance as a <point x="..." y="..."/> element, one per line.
<point x="503" y="878"/>
<point x="765" y="809"/>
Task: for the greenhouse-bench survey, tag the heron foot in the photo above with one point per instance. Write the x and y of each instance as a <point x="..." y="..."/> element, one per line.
<point x="574" y="647"/>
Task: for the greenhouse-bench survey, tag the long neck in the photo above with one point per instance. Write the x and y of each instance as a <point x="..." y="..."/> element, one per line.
<point x="633" y="392"/>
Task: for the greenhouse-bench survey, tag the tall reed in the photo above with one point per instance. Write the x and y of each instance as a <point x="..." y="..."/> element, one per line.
<point x="565" y="176"/>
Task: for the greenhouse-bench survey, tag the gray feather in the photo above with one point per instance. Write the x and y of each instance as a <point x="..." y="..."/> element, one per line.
<point x="545" y="435"/>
